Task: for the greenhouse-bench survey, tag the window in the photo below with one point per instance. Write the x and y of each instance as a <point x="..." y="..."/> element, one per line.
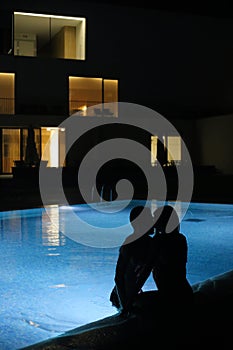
<point x="10" y="148"/>
<point x="7" y="93"/>
<point x="49" y="36"/>
<point x="174" y="149"/>
<point x="154" y="150"/>
<point x="53" y="146"/>
<point x="49" y="145"/>
<point x="14" y="147"/>
<point x="167" y="152"/>
<point x="85" y="93"/>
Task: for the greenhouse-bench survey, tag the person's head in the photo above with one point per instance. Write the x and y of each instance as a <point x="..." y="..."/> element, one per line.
<point x="166" y="220"/>
<point x="135" y="212"/>
<point x="141" y="219"/>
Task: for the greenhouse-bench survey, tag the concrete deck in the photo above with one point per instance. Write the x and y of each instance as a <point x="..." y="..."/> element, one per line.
<point x="26" y="194"/>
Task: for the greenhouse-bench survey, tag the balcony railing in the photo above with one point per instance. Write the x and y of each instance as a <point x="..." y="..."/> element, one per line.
<point x="7" y="105"/>
<point x="88" y="108"/>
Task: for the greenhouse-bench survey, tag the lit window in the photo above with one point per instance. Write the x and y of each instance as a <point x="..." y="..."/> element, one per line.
<point x="86" y="93"/>
<point x="7" y="93"/>
<point x="53" y="146"/>
<point x="153" y="150"/>
<point x="174" y="149"/>
<point x="167" y="151"/>
<point x="49" y="36"/>
<point x="10" y="148"/>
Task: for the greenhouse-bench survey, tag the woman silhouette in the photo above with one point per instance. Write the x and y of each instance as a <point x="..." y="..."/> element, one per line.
<point x="170" y="250"/>
<point x="132" y="269"/>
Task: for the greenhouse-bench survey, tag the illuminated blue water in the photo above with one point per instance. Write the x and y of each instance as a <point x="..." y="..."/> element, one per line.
<point x="51" y="283"/>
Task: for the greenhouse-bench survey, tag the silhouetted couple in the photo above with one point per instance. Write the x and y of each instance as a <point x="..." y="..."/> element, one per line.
<point x="156" y="245"/>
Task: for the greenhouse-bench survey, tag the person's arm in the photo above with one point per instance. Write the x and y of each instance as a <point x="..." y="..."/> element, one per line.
<point x="120" y="278"/>
<point x="146" y="263"/>
<point x="154" y="257"/>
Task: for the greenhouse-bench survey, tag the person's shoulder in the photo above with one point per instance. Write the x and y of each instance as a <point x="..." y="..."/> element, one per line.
<point x="146" y="238"/>
<point x="126" y="246"/>
<point x="182" y="236"/>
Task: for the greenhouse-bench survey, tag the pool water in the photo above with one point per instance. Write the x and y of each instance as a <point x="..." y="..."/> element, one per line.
<point x="51" y="283"/>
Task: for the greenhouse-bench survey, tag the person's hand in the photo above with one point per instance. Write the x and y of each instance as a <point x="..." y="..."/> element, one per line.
<point x="125" y="311"/>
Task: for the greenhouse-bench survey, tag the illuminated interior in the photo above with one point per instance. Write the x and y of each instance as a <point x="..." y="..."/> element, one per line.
<point x="111" y="94"/>
<point x="53" y="146"/>
<point x="85" y="93"/>
<point x="7" y="93"/>
<point x="49" y="36"/>
<point x="174" y="149"/>
<point x="173" y="146"/>
<point x="10" y="148"/>
<point x="50" y="146"/>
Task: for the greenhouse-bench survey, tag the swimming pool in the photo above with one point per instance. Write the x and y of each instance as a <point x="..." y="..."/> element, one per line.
<point x="51" y="283"/>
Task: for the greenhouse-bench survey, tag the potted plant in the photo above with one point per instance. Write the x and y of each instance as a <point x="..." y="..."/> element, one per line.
<point x="32" y="158"/>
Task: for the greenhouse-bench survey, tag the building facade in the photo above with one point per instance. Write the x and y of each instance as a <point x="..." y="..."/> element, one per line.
<point x="57" y="59"/>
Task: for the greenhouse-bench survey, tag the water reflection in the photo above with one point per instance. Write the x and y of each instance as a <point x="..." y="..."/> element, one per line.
<point x="51" y="235"/>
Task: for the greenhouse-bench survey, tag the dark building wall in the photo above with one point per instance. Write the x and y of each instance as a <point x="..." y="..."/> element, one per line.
<point x="177" y="64"/>
<point x="188" y="131"/>
<point x="216" y="142"/>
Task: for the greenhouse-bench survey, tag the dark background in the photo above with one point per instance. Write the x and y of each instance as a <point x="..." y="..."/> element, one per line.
<point x="220" y="9"/>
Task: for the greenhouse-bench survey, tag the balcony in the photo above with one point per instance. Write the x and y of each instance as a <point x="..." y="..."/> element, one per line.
<point x="7" y="105"/>
<point x="90" y="108"/>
